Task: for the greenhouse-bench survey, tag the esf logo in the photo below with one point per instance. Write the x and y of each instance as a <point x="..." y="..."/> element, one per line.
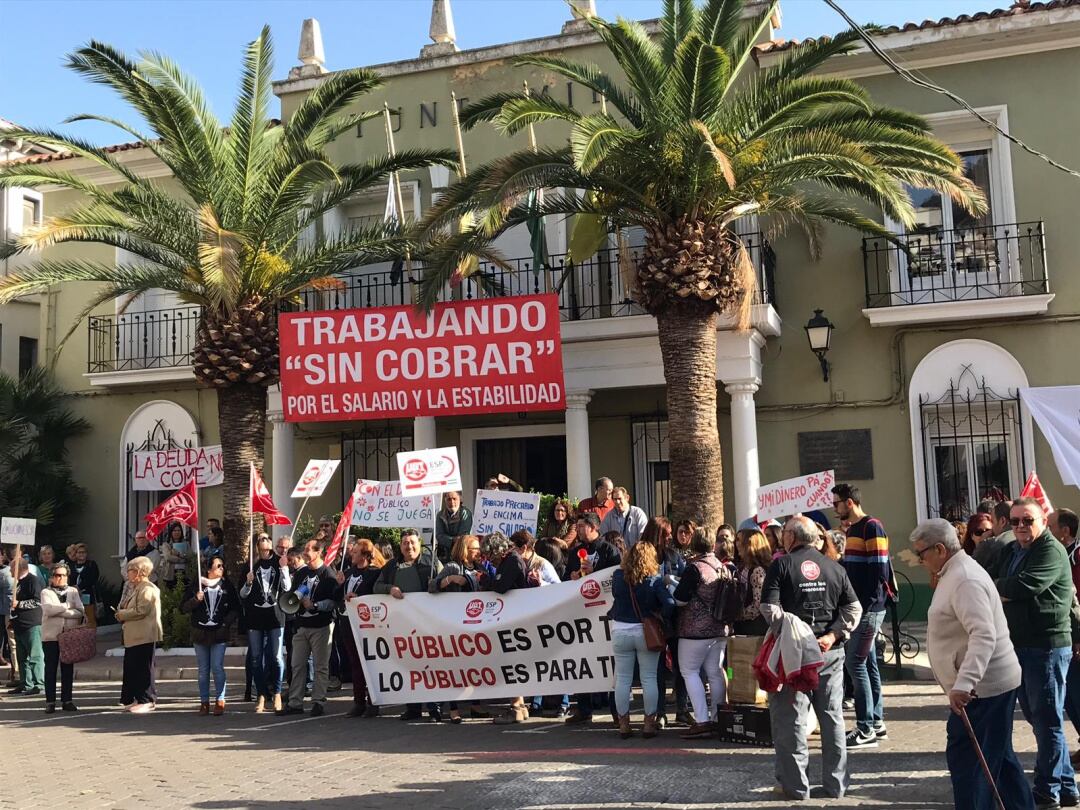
<point x="368" y="614"/>
<point x="479" y="610"/>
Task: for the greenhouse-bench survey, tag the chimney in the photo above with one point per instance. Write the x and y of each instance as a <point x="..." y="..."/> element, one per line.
<point x="581" y="11"/>
<point x="441" y="31"/>
<point x="311" y="55"/>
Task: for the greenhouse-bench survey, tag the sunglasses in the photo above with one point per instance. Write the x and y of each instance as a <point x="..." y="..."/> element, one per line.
<point x="980" y="532"/>
<point x="1027" y="520"/>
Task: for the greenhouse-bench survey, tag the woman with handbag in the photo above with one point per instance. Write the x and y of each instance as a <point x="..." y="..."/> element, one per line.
<point x="61" y="609"/>
<point x="638" y="636"/>
<point x="702" y="637"/>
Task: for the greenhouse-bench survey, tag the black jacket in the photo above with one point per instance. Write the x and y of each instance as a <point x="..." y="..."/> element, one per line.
<point x="27" y="612"/>
<point x="809" y="585"/>
<point x="363" y="583"/>
<point x="207" y="628"/>
<point x="260" y="604"/>
<point x="320" y="586"/>
<point x="607" y="556"/>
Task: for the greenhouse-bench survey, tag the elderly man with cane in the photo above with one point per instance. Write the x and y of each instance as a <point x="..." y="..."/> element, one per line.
<point x="973" y="660"/>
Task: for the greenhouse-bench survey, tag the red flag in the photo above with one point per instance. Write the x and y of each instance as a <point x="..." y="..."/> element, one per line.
<point x="1033" y="488"/>
<point x="342" y="529"/>
<point x="261" y="501"/>
<point x="180" y="507"/>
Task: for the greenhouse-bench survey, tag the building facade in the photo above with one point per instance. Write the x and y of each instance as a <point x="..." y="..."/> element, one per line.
<point x="930" y="347"/>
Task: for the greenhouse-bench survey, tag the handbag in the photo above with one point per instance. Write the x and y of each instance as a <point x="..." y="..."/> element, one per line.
<point x="653" y="628"/>
<point x="77" y="644"/>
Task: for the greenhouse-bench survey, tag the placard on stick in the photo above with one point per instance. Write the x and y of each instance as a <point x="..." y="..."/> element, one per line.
<point x="18" y="531"/>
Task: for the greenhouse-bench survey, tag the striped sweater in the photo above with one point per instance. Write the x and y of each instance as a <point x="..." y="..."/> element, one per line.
<point x="866" y="559"/>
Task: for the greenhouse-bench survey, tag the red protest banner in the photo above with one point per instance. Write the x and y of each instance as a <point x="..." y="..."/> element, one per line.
<point x="496" y="355"/>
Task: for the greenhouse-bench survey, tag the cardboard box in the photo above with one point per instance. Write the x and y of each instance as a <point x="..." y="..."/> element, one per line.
<point x="746" y="725"/>
<point x="742" y="683"/>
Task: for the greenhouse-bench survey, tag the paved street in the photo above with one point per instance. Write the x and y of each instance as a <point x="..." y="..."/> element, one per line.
<point x="104" y="757"/>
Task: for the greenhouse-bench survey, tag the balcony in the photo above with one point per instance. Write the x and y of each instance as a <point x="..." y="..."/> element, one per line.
<point x="146" y="346"/>
<point x="986" y="272"/>
<point x="155" y="345"/>
<point x="587" y="291"/>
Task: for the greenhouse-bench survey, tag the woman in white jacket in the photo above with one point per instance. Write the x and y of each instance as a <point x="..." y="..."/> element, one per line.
<point x="61" y="608"/>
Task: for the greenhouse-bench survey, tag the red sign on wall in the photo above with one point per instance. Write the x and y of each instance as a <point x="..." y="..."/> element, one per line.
<point x="492" y="356"/>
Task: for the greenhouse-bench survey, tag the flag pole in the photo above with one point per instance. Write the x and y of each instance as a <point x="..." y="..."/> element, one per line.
<point x="532" y="132"/>
<point x="395" y="178"/>
<point x="457" y="134"/>
<point x="198" y="559"/>
<point x="251" y="515"/>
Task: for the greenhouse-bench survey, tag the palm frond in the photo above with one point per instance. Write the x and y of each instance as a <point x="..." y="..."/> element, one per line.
<point x="591" y="77"/>
<point x="593" y="137"/>
<point x="677" y="20"/>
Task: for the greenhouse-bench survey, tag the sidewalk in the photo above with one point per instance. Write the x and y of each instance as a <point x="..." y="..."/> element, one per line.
<point x="175" y="664"/>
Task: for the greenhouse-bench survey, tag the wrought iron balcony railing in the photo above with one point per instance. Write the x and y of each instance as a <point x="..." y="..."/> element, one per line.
<point x="591" y="289"/>
<point x="135" y="341"/>
<point x="965" y="264"/>
<point x="164" y="338"/>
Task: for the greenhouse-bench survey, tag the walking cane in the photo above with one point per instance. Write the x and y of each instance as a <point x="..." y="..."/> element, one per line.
<point x="982" y="759"/>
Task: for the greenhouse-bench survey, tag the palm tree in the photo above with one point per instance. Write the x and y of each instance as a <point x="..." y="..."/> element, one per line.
<point x="233" y="242"/>
<point x="36" y="426"/>
<point x="698" y="136"/>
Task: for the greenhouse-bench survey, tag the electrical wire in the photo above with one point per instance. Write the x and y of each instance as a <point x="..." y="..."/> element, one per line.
<point x="910" y="77"/>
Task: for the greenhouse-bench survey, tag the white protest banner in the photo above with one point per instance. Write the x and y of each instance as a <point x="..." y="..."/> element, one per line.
<point x="475" y="646"/>
<point x="429" y="472"/>
<point x="18" y="531"/>
<point x="497" y="510"/>
<point x="795" y="495"/>
<point x="1056" y="409"/>
<point x="315" y="477"/>
<point x="172" y="469"/>
<point x="382" y="505"/>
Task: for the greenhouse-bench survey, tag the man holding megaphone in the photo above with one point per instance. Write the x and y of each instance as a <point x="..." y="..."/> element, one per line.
<point x="312" y="597"/>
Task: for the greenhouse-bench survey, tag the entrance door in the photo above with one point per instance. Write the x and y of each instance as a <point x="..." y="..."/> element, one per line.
<point x="536" y="462"/>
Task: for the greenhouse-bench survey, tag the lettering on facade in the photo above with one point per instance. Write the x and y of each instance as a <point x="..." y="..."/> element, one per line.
<point x="427" y="111"/>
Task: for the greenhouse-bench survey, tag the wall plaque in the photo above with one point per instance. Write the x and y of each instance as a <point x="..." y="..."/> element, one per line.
<point x="848" y="452"/>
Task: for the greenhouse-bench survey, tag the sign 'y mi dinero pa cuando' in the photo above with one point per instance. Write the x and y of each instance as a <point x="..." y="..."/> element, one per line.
<point x="490" y="356"/>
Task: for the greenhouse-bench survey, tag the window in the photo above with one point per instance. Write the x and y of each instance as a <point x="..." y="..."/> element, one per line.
<point x="370" y="453"/>
<point x="31" y="213"/>
<point x="948" y="240"/>
<point x="27" y="355"/>
<point x="652" y="479"/>
<point x="972" y="447"/>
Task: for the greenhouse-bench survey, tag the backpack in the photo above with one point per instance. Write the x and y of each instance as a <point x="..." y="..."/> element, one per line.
<point x="729" y="598"/>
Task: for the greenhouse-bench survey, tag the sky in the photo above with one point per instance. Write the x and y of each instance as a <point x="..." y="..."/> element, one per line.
<point x="207" y="38"/>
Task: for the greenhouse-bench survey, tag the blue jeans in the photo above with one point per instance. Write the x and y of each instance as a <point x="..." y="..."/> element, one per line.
<point x="630" y="649"/>
<point x="861" y="663"/>
<point x="992" y="721"/>
<point x="1042" y="699"/>
<point x="268" y="660"/>
<point x="211" y="657"/>
<point x="1072" y="694"/>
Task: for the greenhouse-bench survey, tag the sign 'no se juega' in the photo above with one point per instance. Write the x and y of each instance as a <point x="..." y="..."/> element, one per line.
<point x="490" y="356"/>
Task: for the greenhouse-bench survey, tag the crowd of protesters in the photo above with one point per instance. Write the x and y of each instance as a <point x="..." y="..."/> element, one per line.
<point x="1003" y="626"/>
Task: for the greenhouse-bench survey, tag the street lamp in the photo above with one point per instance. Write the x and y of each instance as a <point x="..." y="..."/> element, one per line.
<point x="819" y="333"/>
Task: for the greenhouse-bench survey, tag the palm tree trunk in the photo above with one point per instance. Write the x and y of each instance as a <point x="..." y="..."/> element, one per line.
<point x="688" y="348"/>
<point x="242" y="422"/>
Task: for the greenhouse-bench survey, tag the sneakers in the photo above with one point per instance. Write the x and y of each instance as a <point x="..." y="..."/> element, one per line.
<point x="317" y="710"/>
<point x="68" y="706"/>
<point x="849" y="704"/>
<point x="1043" y="802"/>
<point x="881" y="732"/>
<point x="1069" y="800"/>
<point x="860" y="739"/>
<point x="142" y="708"/>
